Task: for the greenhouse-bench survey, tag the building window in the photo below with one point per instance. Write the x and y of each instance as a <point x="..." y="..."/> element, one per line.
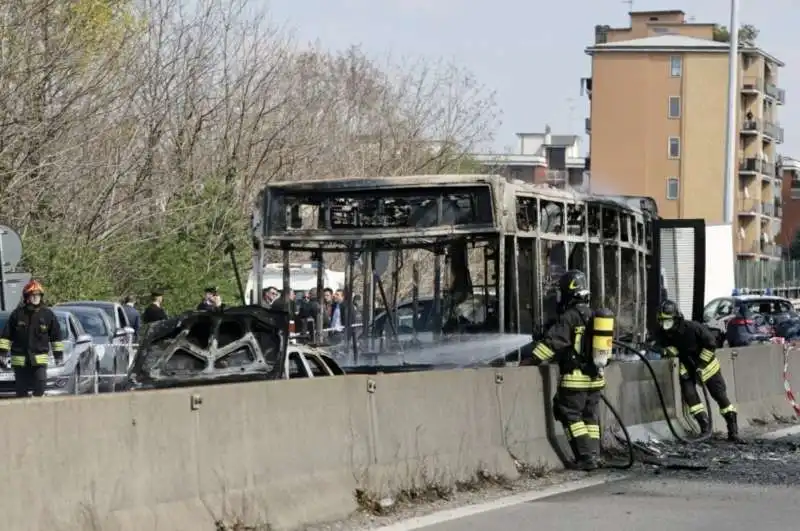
<point x="794" y="191"/>
<point x="673" y="186"/>
<point x="674" y="147"/>
<point x="674" y="107"/>
<point x="675" y="66"/>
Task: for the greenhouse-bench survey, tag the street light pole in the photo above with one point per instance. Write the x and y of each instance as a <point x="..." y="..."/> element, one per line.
<point x="733" y="107"/>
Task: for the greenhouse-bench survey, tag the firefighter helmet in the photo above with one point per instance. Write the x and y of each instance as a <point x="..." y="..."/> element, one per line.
<point x="33" y="286"/>
<point x="572" y="287"/>
<point x="669" y="314"/>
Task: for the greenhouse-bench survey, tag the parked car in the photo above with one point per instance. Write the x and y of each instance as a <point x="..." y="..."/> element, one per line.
<point x="76" y="374"/>
<point x="744" y="319"/>
<point x="237" y="344"/>
<point x="114" y="352"/>
<point x="304" y="361"/>
<point x="123" y="331"/>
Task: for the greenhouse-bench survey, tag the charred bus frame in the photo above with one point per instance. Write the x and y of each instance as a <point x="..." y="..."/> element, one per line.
<point x="528" y="233"/>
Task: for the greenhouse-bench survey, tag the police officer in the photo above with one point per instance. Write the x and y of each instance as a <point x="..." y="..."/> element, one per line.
<point x="577" y="400"/>
<point x="32" y="330"/>
<point x="155" y="311"/>
<point x="694" y="345"/>
<point x="208" y="301"/>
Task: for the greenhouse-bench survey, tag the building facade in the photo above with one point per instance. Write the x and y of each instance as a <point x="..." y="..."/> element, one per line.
<point x="790" y="172"/>
<point x="658" y="97"/>
<point x="541" y="158"/>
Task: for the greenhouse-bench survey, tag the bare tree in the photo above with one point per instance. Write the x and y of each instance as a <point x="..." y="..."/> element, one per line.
<point x="156" y="121"/>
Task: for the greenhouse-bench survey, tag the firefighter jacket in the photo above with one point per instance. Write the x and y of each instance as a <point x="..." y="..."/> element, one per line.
<point x="565" y="343"/>
<point x="693" y="344"/>
<point x="30" y="334"/>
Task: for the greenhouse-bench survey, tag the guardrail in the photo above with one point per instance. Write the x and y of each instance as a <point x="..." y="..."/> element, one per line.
<point x="196" y="456"/>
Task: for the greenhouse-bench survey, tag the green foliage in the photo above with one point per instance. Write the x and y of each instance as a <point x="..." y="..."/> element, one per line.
<point x="181" y="254"/>
<point x="747" y="34"/>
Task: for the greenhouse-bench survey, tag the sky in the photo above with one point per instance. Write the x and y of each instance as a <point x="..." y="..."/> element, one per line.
<point x="530" y="52"/>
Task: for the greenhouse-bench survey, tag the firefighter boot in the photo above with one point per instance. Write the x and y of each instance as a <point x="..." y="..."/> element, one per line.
<point x="704" y="422"/>
<point x="733" y="426"/>
<point x="587" y="463"/>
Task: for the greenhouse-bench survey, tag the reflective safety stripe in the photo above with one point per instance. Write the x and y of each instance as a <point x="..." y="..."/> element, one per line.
<point x="730" y="409"/>
<point x="706" y="355"/>
<point x="57" y="346"/>
<point x="671" y="351"/>
<point x="576" y="380"/>
<point x="41" y="359"/>
<point x="710" y="370"/>
<point x="697" y="408"/>
<point x="594" y="431"/>
<point x="683" y="370"/>
<point x="5" y="344"/>
<point x="597" y="383"/>
<point x="543" y="352"/>
<point x="577" y="343"/>
<point x="17" y="361"/>
<point x="578" y="429"/>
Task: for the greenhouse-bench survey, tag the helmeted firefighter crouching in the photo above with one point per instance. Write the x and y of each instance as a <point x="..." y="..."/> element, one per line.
<point x="580" y="341"/>
<point x="694" y="345"/>
<point x="31" y="332"/>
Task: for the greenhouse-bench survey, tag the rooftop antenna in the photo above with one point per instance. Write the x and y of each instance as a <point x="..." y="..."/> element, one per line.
<point x="630" y="5"/>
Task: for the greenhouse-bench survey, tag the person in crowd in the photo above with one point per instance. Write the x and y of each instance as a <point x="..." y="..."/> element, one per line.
<point x="208" y="302"/>
<point x="155" y="311"/>
<point x="134" y="318"/>
<point x="287" y="304"/>
<point x="268" y="295"/>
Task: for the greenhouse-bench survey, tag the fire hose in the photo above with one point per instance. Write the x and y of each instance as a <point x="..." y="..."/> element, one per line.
<point x="630" y="457"/>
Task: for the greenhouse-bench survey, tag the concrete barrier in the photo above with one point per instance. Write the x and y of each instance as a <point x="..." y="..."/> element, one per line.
<point x="758" y="382"/>
<point x="296" y="452"/>
<point x="725" y="357"/>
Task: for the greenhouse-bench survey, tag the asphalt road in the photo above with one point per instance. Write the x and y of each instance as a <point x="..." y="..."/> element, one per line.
<point x="651" y="504"/>
<point x="745" y="488"/>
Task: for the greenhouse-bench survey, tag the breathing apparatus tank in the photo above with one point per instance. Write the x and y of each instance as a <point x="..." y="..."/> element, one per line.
<point x="602" y="337"/>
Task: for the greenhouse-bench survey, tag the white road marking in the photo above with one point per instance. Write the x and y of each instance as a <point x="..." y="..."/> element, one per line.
<point x="472" y="510"/>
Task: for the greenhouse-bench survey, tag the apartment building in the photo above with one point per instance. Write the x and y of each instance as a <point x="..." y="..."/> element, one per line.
<point x="541" y="158"/>
<point x="790" y="171"/>
<point x="658" y="97"/>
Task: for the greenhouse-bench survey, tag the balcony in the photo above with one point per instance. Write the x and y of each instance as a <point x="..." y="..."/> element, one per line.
<point x="749" y="207"/>
<point x="773" y="132"/>
<point x="778" y="94"/>
<point x="760" y="248"/>
<point x="768" y="209"/>
<point x="752" y="85"/>
<point x="750" y="166"/>
<point x="778" y="209"/>
<point x="771" y="250"/>
<point x="768" y="169"/>
<point x="750" y="127"/>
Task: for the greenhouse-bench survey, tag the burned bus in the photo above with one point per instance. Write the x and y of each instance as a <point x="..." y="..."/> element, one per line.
<point x="448" y="239"/>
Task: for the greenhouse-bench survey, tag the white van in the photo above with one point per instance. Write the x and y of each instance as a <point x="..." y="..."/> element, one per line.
<point x="302" y="278"/>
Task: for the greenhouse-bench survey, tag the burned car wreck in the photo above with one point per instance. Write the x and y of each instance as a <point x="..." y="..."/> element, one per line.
<point x="238" y="344"/>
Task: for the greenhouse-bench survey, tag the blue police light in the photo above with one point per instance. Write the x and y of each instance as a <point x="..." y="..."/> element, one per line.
<point x="735" y="292"/>
<point x="768" y="291"/>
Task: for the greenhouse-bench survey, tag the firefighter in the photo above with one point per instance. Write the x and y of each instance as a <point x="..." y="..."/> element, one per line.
<point x="694" y="345"/>
<point x="581" y="380"/>
<point x="31" y="332"/>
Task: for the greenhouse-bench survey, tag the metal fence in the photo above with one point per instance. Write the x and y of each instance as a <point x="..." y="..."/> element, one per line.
<point x="767" y="274"/>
